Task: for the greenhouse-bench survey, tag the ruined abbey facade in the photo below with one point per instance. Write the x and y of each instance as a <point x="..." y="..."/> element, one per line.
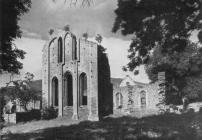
<point x="137" y="98"/>
<point x="71" y="76"/>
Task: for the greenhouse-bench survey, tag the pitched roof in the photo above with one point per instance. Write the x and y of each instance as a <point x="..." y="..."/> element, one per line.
<point x="116" y="81"/>
<point x="129" y="80"/>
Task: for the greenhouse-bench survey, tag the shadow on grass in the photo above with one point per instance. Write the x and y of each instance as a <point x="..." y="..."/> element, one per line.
<point x="162" y="127"/>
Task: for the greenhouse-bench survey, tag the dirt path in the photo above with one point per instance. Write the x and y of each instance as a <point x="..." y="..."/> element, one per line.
<point x="37" y="125"/>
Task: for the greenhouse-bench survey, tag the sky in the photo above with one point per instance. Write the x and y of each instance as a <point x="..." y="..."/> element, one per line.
<point x="98" y="18"/>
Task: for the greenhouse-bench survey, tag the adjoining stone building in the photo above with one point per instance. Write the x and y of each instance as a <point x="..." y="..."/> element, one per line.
<point x="137" y="98"/>
<point x="72" y="80"/>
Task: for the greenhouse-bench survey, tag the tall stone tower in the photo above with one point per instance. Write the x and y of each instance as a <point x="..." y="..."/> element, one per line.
<point x="70" y="76"/>
<point x="76" y="77"/>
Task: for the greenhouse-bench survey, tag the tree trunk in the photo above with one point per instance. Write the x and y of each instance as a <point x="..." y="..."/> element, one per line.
<point x="1" y="51"/>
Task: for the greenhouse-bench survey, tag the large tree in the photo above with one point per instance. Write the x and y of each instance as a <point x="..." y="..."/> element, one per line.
<point x="162" y="30"/>
<point x="11" y="11"/>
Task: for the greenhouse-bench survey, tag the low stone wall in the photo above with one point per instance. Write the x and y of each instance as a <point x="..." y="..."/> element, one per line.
<point x="83" y="113"/>
<point x="10" y="118"/>
<point x="68" y="111"/>
<point x="22" y="116"/>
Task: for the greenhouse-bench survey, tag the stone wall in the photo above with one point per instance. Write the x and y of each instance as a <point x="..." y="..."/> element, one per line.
<point x="83" y="113"/>
<point x="86" y="62"/>
<point x="10" y="118"/>
<point x="68" y="112"/>
<point x="153" y="98"/>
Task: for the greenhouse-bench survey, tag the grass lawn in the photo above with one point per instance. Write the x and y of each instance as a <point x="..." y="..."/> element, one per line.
<point x="162" y="127"/>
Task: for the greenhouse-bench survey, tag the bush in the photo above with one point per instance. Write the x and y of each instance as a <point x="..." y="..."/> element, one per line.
<point x="49" y="113"/>
<point x="190" y="110"/>
<point x="200" y="110"/>
<point x="2" y="104"/>
<point x="1" y="125"/>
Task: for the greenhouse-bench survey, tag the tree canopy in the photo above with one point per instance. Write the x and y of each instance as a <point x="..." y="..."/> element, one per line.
<point x="162" y="31"/>
<point x="11" y="11"/>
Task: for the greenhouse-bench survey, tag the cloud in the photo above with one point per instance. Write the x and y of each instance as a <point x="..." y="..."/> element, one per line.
<point x="46" y="14"/>
<point x="28" y="34"/>
<point x="117" y="54"/>
<point x="117" y="50"/>
<point x="33" y="57"/>
<point x="98" y="18"/>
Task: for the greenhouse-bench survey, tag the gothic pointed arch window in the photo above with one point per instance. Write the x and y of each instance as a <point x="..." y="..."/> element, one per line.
<point x="143" y="99"/>
<point x="119" y="100"/>
<point x="74" y="48"/>
<point x="68" y="89"/>
<point x="60" y="50"/>
<point x="55" y="91"/>
<point x="83" y="89"/>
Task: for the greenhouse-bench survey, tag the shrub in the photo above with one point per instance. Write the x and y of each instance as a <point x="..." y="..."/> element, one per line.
<point x="2" y="105"/>
<point x="1" y="125"/>
<point x="49" y="113"/>
<point x="36" y="114"/>
<point x="180" y="110"/>
<point x="200" y="109"/>
<point x="190" y="110"/>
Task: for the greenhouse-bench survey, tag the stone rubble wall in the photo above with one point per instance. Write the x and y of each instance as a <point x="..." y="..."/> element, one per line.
<point x="153" y="98"/>
<point x="86" y="63"/>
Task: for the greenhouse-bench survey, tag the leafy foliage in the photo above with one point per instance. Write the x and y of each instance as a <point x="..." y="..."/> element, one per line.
<point x="105" y="91"/>
<point x="85" y="36"/>
<point x="98" y="38"/>
<point x="11" y="12"/>
<point x="157" y="22"/>
<point x="183" y="72"/>
<point x="130" y="97"/>
<point x="29" y="76"/>
<point x="162" y="30"/>
<point x="2" y="104"/>
<point x="49" y="113"/>
<point x="67" y="27"/>
<point x="22" y="91"/>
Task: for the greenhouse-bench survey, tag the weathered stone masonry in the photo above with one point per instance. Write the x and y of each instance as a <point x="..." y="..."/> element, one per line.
<point x="146" y="97"/>
<point x="70" y="76"/>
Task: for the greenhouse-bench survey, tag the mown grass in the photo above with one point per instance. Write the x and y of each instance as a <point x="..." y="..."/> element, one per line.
<point x="186" y="126"/>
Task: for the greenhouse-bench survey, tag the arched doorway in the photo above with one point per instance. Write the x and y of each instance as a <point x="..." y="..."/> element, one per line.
<point x="68" y="89"/>
<point x="83" y="89"/>
<point x="55" y="91"/>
